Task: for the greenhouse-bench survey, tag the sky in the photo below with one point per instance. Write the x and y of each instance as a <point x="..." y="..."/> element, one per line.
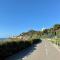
<point x="17" y="16"/>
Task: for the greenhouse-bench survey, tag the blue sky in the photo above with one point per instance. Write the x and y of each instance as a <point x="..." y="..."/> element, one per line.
<point x="18" y="16"/>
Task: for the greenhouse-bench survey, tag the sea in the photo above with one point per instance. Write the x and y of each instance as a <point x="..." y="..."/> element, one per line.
<point x="3" y="39"/>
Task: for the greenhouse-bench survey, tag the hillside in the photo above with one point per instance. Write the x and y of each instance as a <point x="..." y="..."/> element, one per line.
<point x="51" y="32"/>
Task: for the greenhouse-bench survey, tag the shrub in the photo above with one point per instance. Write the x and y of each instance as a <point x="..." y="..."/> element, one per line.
<point x="12" y="47"/>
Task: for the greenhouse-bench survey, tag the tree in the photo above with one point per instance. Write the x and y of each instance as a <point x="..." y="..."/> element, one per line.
<point x="56" y="26"/>
<point x="45" y="31"/>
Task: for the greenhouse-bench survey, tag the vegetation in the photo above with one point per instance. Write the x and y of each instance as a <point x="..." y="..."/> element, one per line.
<point x="56" y="41"/>
<point x="12" y="47"/>
<point x="53" y="33"/>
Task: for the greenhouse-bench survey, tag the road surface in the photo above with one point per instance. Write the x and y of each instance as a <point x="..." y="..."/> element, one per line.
<point x="42" y="51"/>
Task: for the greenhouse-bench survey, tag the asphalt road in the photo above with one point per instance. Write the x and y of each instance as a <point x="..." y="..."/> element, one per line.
<point x="42" y="51"/>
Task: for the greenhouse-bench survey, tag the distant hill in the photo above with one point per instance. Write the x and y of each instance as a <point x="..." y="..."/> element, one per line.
<point x="49" y="33"/>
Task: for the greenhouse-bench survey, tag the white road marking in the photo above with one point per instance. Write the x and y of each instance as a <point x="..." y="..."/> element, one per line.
<point x="46" y="50"/>
<point x="56" y="47"/>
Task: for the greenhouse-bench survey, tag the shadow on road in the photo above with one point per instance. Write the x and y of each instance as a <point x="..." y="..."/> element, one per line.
<point x="24" y="53"/>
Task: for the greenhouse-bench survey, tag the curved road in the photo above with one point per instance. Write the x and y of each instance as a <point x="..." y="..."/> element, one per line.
<point x="42" y="51"/>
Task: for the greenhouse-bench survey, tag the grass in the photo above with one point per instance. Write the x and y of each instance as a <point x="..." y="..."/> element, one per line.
<point x="11" y="47"/>
<point x="56" y="41"/>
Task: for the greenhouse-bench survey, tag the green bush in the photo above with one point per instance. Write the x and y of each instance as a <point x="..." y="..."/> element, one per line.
<point x="12" y="47"/>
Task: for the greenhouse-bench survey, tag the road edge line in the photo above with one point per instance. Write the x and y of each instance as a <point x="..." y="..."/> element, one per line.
<point x="56" y="46"/>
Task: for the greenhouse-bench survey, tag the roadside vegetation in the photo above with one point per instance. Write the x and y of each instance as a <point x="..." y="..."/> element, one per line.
<point x="9" y="48"/>
<point x="53" y="34"/>
<point x="56" y="41"/>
